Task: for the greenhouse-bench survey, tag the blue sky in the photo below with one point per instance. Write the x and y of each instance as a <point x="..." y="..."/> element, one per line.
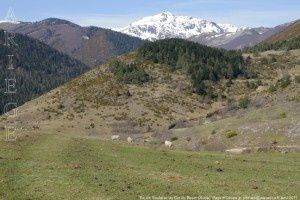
<point x="114" y="13"/>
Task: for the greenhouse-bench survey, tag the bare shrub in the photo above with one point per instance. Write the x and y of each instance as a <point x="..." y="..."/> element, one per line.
<point x="162" y="135"/>
<point x="232" y="106"/>
<point x="196" y="146"/>
<point x="124" y="128"/>
<point x="258" y="102"/>
<point x="297" y="79"/>
<point x="244" y="102"/>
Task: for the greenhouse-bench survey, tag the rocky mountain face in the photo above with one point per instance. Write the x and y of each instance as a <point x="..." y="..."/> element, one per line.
<point x="91" y="45"/>
<point x="167" y="25"/>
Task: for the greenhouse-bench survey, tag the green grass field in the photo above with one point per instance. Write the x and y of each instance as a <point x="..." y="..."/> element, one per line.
<point x="55" y="166"/>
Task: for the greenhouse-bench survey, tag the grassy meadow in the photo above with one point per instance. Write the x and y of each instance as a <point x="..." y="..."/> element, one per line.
<point x="57" y="166"/>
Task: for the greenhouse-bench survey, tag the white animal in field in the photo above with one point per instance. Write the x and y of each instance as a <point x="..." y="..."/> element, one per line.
<point x="115" y="137"/>
<point x="168" y="144"/>
<point x="238" y="151"/>
<point x="129" y="140"/>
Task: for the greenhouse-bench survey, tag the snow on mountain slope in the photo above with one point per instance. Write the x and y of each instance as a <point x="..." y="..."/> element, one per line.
<point x="167" y="25"/>
<point x="9" y="22"/>
<point x="229" y="28"/>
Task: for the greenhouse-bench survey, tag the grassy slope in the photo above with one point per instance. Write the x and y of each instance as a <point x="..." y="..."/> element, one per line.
<point x="272" y="117"/>
<point x="52" y="166"/>
<point x="99" y="97"/>
<point x="258" y="127"/>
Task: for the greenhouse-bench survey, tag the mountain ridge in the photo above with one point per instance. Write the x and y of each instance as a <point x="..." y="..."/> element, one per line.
<point x="292" y="31"/>
<point x="285" y="39"/>
<point x="77" y="41"/>
<point x="73" y="39"/>
<point x="167" y="25"/>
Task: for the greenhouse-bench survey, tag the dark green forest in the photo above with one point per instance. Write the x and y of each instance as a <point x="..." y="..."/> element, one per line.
<point x="38" y="69"/>
<point x="279" y="45"/>
<point x="128" y="73"/>
<point x="203" y="64"/>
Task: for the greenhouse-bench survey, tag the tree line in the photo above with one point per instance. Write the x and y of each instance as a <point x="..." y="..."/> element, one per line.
<point x="290" y="44"/>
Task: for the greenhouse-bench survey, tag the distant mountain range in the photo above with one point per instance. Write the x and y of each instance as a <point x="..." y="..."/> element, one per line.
<point x="167" y="25"/>
<point x="90" y="45"/>
<point x="94" y="45"/>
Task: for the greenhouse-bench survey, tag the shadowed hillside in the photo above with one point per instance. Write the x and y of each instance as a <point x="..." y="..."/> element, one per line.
<point x="38" y="69"/>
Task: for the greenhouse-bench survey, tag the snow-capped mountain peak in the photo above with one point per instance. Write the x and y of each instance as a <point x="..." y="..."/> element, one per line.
<point x="168" y="25"/>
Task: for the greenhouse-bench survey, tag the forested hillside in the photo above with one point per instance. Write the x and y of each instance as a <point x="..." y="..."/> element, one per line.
<point x="202" y="63"/>
<point x="38" y="69"/>
<point x="279" y="45"/>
